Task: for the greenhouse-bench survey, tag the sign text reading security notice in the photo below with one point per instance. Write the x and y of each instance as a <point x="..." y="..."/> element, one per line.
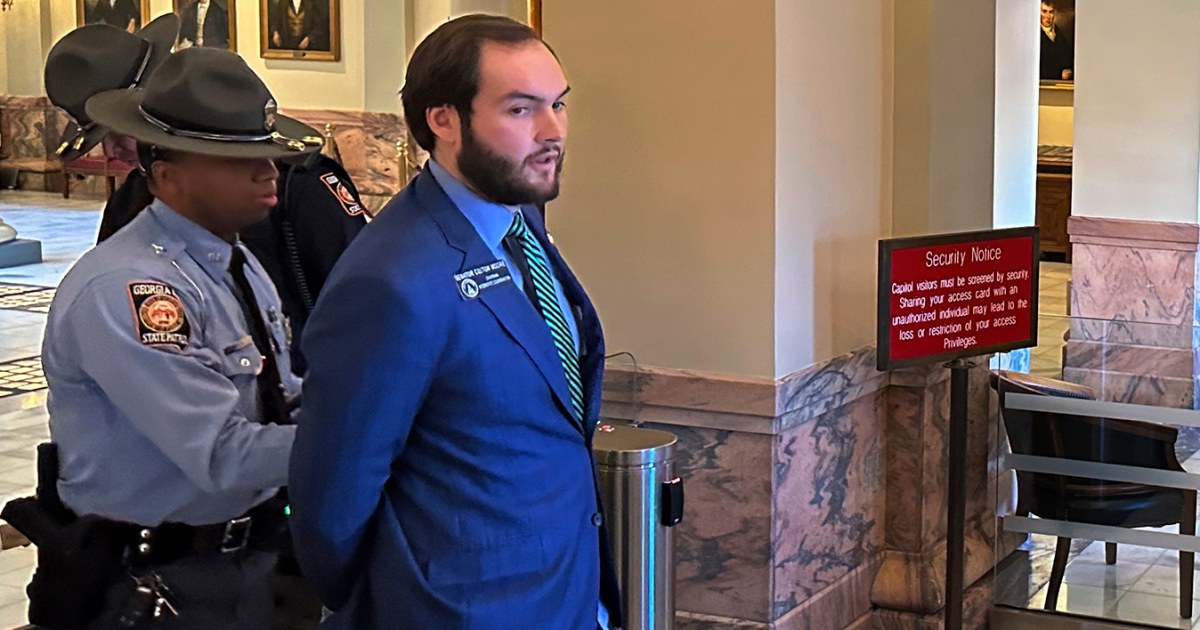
<point x="956" y="295"/>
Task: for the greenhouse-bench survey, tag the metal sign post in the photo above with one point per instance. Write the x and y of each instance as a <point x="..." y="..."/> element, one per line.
<point x="950" y="297"/>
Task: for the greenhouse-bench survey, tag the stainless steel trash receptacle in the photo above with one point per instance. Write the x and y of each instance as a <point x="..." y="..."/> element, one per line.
<point x="643" y="500"/>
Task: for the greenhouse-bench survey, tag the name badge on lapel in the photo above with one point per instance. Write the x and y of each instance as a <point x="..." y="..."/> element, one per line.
<point x="472" y="282"/>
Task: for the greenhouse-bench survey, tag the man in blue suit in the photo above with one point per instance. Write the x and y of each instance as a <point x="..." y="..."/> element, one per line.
<point x="442" y="477"/>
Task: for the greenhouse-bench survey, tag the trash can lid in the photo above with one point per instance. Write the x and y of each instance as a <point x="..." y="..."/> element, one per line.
<point x="620" y="445"/>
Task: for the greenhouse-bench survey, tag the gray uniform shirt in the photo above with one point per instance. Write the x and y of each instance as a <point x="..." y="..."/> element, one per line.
<point x="152" y="374"/>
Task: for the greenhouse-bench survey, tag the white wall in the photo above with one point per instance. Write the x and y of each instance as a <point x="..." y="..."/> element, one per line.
<point x="1137" y="109"/>
<point x="311" y="84"/>
<point x="31" y="27"/>
<point x="832" y="175"/>
<point x="944" y="115"/>
<point x="1017" y="119"/>
<point x="668" y="205"/>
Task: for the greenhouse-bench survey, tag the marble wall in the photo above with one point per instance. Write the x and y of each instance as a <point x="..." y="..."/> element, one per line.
<point x="1134" y="299"/>
<point x="367" y="143"/>
<point x="30" y="127"/>
<point x="817" y="501"/>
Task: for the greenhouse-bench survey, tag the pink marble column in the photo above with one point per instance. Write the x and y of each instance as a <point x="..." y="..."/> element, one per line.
<point x="909" y="588"/>
<point x="1133" y="304"/>
<point x="367" y="143"/>
<point x="815" y="501"/>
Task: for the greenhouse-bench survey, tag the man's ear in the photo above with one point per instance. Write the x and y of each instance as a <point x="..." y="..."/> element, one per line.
<point x="445" y="123"/>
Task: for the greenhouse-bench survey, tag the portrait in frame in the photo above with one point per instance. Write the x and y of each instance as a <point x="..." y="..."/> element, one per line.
<point x="127" y="15"/>
<point x="300" y="29"/>
<point x="1056" y="65"/>
<point x="207" y="23"/>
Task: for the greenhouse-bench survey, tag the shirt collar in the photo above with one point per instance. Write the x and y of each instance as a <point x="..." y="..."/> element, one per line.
<point x="209" y="250"/>
<point x="490" y="219"/>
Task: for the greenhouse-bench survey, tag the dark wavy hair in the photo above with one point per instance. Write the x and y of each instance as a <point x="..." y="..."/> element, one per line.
<point x="444" y="69"/>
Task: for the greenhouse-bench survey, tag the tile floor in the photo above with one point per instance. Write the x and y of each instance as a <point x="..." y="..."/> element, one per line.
<point x="66" y="229"/>
<point x="1142" y="585"/>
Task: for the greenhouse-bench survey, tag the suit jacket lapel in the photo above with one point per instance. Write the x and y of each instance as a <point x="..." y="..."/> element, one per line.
<point x="510" y="307"/>
<point x="591" y="360"/>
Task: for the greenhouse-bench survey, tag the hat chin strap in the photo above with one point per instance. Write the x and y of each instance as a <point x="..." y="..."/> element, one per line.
<point x="140" y="70"/>
<point x="273" y="136"/>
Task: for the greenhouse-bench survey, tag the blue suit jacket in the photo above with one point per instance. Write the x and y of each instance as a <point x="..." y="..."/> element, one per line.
<point x="439" y="480"/>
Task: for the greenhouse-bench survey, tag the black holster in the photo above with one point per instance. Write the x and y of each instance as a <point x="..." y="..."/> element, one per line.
<point x="78" y="558"/>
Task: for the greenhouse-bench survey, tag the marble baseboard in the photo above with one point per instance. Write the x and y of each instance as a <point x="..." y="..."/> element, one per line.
<point x="695" y="621"/>
<point x="977" y="603"/>
<point x="1131" y="359"/>
<point x="916" y="582"/>
<point x="723" y="545"/>
<point x="840" y="605"/>
<point x="758" y="405"/>
<point x="1139" y="389"/>
<point x="1134" y="233"/>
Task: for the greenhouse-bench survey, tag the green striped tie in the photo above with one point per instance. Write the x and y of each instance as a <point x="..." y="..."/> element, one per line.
<point x="547" y="304"/>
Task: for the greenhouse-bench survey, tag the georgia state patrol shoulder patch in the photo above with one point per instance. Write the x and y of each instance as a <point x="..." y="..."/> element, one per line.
<point x="342" y="193"/>
<point x="161" y="318"/>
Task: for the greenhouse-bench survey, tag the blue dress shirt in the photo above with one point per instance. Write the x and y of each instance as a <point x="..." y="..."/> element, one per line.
<point x="491" y="221"/>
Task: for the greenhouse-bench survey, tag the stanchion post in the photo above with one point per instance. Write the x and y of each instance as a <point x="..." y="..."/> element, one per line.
<point x="956" y="507"/>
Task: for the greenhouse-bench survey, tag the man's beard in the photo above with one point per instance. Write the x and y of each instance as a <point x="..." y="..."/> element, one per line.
<point x="498" y="178"/>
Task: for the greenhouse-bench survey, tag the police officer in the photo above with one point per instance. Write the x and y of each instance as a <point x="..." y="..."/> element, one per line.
<point x="318" y="215"/>
<point x="319" y="210"/>
<point x="95" y="58"/>
<point x="166" y="356"/>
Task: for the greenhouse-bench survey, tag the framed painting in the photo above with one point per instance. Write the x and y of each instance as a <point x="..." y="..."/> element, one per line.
<point x="300" y="29"/>
<point x="207" y="23"/>
<point x="127" y="15"/>
<point x="1057" y="33"/>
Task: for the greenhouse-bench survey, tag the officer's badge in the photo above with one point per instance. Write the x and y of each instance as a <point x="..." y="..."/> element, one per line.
<point x="161" y="318"/>
<point x="342" y="193"/>
<point x="269" y="111"/>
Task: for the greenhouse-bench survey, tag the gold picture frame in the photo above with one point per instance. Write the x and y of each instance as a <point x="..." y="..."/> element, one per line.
<point x="535" y="16"/>
<point x="119" y="13"/>
<point x="308" y="30"/>
<point x="212" y="35"/>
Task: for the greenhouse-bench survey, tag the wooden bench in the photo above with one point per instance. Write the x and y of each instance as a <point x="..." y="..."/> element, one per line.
<point x="108" y="168"/>
<point x="42" y="166"/>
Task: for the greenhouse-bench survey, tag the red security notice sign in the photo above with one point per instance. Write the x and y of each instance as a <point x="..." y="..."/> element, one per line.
<point x="956" y="295"/>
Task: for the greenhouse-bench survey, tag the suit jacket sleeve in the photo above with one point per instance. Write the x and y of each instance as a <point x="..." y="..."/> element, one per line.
<point x="372" y="353"/>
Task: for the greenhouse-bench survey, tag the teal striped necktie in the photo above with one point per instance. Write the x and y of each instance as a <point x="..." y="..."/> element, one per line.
<point x="546" y="301"/>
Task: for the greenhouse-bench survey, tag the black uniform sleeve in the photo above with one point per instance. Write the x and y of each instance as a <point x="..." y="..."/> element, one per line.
<point x="131" y="198"/>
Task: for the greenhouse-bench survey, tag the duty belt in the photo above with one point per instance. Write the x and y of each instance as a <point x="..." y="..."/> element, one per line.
<point x="260" y="528"/>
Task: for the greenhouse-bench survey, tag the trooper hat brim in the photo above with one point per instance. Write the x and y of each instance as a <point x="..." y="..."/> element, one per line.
<point x="76" y="141"/>
<point x="119" y="110"/>
<point x="161" y="33"/>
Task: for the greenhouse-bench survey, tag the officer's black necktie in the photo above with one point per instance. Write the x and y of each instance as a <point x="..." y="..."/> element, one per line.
<point x="272" y="407"/>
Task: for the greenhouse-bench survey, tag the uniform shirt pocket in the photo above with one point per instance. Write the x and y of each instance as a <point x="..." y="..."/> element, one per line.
<point x="472" y="566"/>
<point x="242" y="359"/>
